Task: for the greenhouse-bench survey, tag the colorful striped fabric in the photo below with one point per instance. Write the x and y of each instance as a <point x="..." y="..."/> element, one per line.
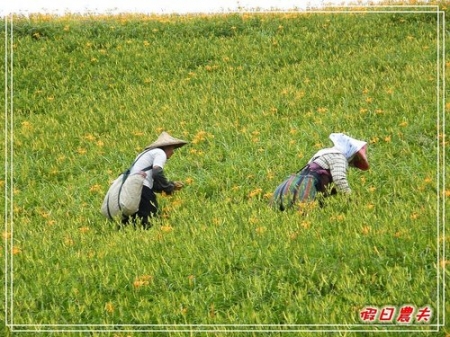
<point x="295" y="189"/>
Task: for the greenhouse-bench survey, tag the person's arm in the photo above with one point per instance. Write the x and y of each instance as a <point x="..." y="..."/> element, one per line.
<point x="160" y="182"/>
<point x="338" y="168"/>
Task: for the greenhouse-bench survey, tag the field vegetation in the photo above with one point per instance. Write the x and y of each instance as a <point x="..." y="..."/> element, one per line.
<point x="256" y="94"/>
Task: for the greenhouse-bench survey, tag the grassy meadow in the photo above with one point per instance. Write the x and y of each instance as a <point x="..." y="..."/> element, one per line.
<point x="256" y="94"/>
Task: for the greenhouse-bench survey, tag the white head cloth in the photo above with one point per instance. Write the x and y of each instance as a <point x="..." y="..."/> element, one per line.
<point x="348" y="146"/>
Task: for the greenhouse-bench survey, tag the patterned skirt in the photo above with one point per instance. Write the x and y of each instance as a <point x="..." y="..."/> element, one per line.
<point x="297" y="188"/>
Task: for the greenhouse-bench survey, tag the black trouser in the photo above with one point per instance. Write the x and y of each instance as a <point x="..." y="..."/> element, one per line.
<point x="148" y="208"/>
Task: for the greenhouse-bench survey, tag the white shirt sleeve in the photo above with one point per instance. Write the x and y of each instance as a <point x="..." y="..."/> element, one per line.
<point x="155" y="157"/>
<point x="159" y="158"/>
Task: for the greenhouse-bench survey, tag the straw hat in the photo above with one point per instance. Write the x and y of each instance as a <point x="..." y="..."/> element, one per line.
<point x="165" y="139"/>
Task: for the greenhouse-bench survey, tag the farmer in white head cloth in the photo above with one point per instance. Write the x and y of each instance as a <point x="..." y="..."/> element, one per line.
<point x="325" y="173"/>
<point x="156" y="154"/>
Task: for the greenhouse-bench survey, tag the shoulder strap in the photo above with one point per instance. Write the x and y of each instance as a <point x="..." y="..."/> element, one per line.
<point x="302" y="168"/>
<point x="127" y="171"/>
<point x="147" y="168"/>
<point x="139" y="157"/>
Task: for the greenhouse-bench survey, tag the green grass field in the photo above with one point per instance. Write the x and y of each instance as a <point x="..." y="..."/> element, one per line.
<point x="256" y="94"/>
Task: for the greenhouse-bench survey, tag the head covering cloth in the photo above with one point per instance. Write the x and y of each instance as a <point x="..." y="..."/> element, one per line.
<point x="353" y="149"/>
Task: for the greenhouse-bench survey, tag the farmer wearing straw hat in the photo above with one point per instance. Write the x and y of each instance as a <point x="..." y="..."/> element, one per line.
<point x="155" y="155"/>
<point x="325" y="173"/>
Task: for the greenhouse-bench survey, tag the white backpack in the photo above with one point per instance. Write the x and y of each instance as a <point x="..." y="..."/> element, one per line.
<point x="124" y="194"/>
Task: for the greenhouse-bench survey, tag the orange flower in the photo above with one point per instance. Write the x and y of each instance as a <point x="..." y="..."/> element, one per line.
<point x="166" y="229"/>
<point x="109" y="307"/>
<point x="212" y="311"/>
<point x="89" y="137"/>
<point x="365" y="230"/>
<point x="200" y="137"/>
<point x="191" y="279"/>
<point x="95" y="188"/>
<point x="138" y="283"/>
<point x="305" y="224"/>
<point x="143" y="280"/>
<point x="26" y="125"/>
<point x="340" y="217"/>
<point x="253" y="220"/>
<point x="255" y="192"/>
<point x="260" y="230"/>
<point x="81" y="150"/>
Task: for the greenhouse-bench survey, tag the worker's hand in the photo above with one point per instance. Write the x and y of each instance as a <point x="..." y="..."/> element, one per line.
<point x="178" y="185"/>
